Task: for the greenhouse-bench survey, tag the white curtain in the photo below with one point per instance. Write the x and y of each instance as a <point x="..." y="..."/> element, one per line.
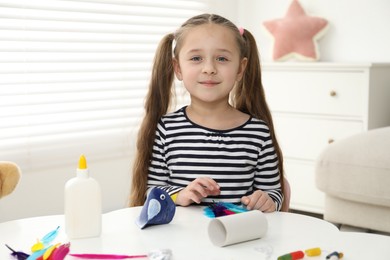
<point x="73" y="75"/>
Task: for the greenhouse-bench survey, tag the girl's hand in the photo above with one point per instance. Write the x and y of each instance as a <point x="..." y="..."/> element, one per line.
<point x="197" y="190"/>
<point x="259" y="200"/>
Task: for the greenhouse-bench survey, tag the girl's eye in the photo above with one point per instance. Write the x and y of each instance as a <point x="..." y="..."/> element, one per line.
<point x="196" y="58"/>
<point x="222" y="59"/>
<point x="162" y="197"/>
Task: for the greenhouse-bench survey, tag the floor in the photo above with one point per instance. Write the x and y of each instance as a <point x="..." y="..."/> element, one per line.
<point x="345" y="228"/>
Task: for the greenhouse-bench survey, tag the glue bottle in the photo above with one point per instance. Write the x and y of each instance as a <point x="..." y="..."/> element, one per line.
<point x="83" y="204"/>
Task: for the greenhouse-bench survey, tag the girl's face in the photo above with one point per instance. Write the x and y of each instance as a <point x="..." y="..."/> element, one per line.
<point x="209" y="63"/>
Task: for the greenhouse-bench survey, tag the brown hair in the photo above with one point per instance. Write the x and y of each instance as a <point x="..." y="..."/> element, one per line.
<point x="248" y="95"/>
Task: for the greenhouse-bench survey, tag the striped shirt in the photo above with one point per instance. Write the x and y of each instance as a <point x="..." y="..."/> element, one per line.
<point x="240" y="160"/>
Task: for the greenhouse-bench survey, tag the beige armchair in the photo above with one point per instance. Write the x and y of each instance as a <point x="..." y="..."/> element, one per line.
<point x="354" y="174"/>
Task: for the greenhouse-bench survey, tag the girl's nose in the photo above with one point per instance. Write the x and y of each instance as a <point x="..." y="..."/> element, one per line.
<point x="209" y="67"/>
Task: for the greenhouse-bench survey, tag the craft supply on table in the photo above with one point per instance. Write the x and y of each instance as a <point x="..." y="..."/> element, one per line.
<point x="160" y="254"/>
<point x="83" y="204"/>
<point x="311" y="252"/>
<point x="237" y="228"/>
<point x="44" y="249"/>
<point x="335" y="255"/>
<point x="292" y="256"/>
<point x="158" y="209"/>
<point x="17" y="254"/>
<point x="316" y="251"/>
<point x="219" y="209"/>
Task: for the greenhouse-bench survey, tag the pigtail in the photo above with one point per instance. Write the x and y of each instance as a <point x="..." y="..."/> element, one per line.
<point x="157" y="103"/>
<point x="250" y="88"/>
<point x="249" y="96"/>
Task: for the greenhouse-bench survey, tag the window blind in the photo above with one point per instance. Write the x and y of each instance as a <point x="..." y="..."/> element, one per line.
<point x="74" y="74"/>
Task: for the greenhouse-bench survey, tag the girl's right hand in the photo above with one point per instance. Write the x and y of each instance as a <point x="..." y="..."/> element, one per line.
<point x="197" y="190"/>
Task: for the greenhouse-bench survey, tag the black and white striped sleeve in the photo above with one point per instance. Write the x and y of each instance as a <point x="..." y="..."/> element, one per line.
<point x="267" y="177"/>
<point x="158" y="174"/>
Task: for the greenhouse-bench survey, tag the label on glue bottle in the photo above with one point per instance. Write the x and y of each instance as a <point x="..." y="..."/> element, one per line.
<point x="83" y="204"/>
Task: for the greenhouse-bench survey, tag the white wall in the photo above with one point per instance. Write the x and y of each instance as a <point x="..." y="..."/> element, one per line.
<point x="359" y="29"/>
<point x="358" y="33"/>
<point x="41" y="192"/>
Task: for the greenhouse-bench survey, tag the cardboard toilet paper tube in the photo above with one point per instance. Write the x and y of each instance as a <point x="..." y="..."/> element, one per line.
<point x="237" y="228"/>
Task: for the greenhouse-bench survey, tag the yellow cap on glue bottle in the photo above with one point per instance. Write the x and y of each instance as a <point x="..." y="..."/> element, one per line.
<point x="82" y="162"/>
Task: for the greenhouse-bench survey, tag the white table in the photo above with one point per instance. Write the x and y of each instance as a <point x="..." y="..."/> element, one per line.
<point x="187" y="237"/>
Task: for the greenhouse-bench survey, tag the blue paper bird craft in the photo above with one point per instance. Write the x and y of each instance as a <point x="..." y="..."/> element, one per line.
<point x="158" y="209"/>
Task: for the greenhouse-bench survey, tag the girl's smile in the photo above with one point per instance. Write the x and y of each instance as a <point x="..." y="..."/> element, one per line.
<point x="209" y="83"/>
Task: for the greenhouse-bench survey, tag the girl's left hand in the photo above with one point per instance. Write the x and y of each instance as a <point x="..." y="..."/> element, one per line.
<point x="259" y="200"/>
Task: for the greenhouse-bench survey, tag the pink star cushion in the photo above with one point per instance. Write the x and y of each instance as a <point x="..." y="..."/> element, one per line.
<point x="296" y="35"/>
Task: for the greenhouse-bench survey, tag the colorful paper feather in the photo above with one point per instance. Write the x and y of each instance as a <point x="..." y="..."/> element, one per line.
<point x="219" y="209"/>
<point x="45" y="242"/>
<point x="37" y="254"/>
<point x="43" y="249"/>
<point x="49" y="237"/>
<point x="107" y="256"/>
<point x="18" y="254"/>
<point x="50" y="251"/>
<point x="60" y="252"/>
<point x="160" y="254"/>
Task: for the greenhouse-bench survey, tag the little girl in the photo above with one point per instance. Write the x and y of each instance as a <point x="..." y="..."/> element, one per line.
<point x="222" y="146"/>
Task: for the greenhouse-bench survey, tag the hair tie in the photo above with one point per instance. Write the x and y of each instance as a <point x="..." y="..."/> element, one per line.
<point x="241" y="30"/>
